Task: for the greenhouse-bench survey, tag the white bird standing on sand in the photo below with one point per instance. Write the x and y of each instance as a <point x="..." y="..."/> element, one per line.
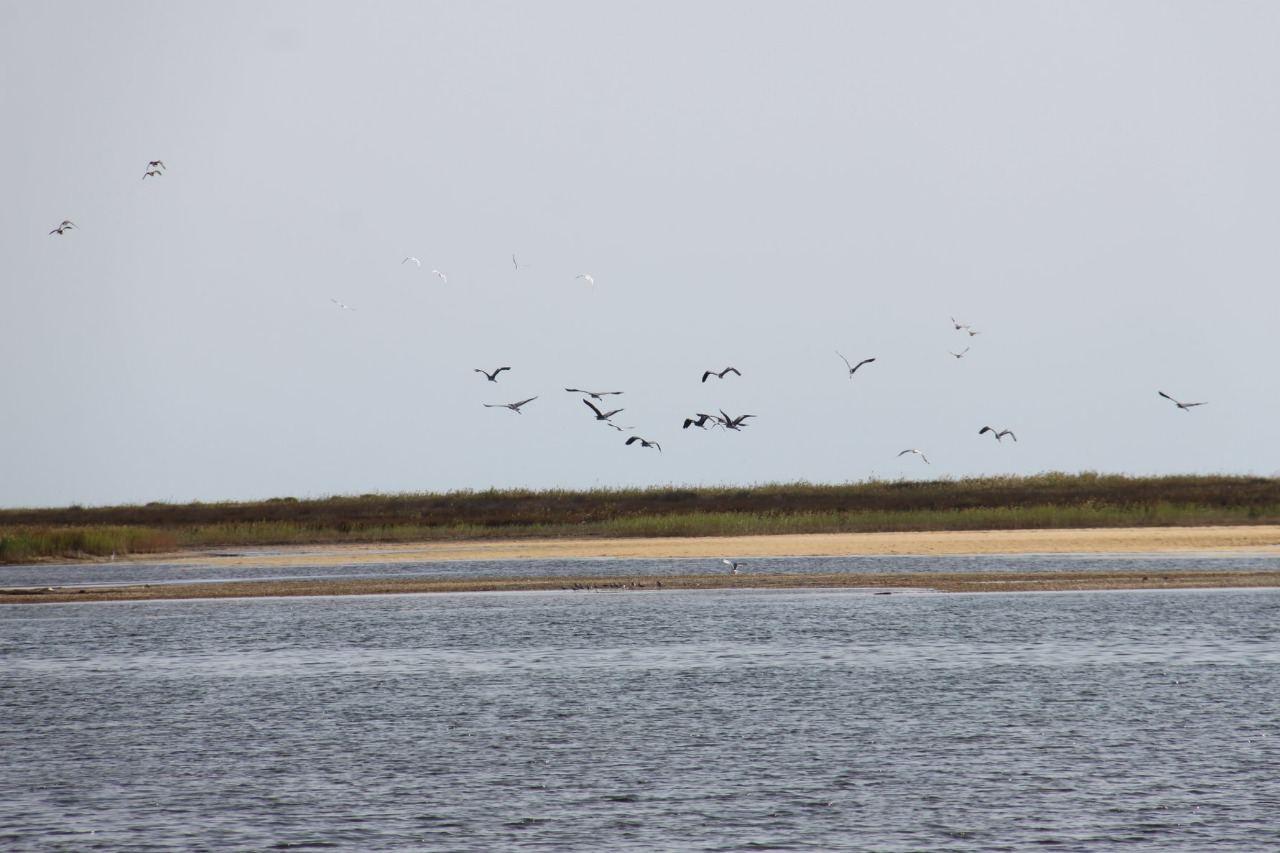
<point x="515" y="407"/>
<point x="587" y="276"/>
<point x="413" y="260"/>
<point x="440" y="276"/>
<point x="919" y="453"/>
<point x="733" y="566"/>
<point x="999" y="435"/>
<point x="1183" y="406"/>
<point x="853" y="368"/>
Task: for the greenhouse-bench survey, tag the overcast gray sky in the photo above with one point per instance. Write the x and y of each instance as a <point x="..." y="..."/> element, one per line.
<point x="1093" y="186"/>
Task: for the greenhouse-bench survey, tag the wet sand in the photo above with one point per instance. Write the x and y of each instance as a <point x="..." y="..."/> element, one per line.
<point x="932" y="581"/>
<point x="1260" y="540"/>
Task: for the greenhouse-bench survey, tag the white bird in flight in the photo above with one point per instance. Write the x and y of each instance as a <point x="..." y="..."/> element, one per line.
<point x="919" y="453"/>
<point x="413" y="260"/>
<point x="344" y="306"/>
<point x="1183" y="406"/>
<point x="589" y="278"/>
<point x="440" y="276"/>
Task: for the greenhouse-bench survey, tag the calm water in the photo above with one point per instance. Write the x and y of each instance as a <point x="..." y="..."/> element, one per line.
<point x="127" y="573"/>
<point x="723" y="720"/>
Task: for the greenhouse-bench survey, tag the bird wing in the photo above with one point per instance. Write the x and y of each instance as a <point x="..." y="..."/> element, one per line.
<point x="522" y="402"/>
<point x="859" y="364"/>
<point x="704" y="376"/>
<point x="985" y="429"/>
<point x="845" y="360"/>
<point x="499" y="370"/>
<point x="1189" y="405"/>
<point x="905" y="452"/>
<point x="632" y="440"/>
<point x="1166" y="396"/>
<point x="608" y="415"/>
<point x="732" y="370"/>
<point x="1009" y="433"/>
<point x="655" y="444"/>
<point x="926" y="459"/>
<point x="687" y="423"/>
<point x="593" y="408"/>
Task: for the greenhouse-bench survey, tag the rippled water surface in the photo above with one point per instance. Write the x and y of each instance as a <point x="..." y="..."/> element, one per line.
<point x="719" y="720"/>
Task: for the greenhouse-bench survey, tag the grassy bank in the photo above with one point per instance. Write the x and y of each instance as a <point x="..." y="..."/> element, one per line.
<point x="998" y="503"/>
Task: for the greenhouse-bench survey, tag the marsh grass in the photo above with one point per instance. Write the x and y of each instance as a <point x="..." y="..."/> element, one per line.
<point x="996" y="503"/>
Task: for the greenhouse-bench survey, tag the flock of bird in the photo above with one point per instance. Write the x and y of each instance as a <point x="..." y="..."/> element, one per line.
<point x="701" y="420"/>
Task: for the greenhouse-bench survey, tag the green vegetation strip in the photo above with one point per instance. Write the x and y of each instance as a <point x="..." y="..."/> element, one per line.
<point x="989" y="503"/>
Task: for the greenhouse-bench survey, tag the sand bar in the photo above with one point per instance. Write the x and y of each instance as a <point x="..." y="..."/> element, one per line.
<point x="1261" y="539"/>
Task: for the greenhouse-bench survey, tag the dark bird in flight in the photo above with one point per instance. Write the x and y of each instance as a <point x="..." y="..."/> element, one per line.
<point x="1183" y="406"/>
<point x="594" y="395"/>
<point x="999" y="435"/>
<point x="601" y="416"/>
<point x="919" y="453"/>
<point x="721" y="374"/>
<point x="515" y="407"/>
<point x="152" y="173"/>
<point x="156" y="164"/>
<point x="492" y="377"/>
<point x="961" y="353"/>
<point x="700" y="421"/>
<point x="958" y="324"/>
<point x="63" y="226"/>
<point x="643" y="442"/>
<point x="733" y="423"/>
<point x="853" y="368"/>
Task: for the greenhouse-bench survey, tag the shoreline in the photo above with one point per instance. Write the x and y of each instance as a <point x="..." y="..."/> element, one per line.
<point x="940" y="582"/>
<point x="1260" y="539"/>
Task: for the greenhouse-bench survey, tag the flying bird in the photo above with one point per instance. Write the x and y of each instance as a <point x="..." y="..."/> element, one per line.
<point x="589" y="278"/>
<point x="721" y="374"/>
<point x="733" y="423"/>
<point x="444" y="278"/>
<point x="492" y="377"/>
<point x="515" y="407"/>
<point x="853" y="368"/>
<point x="412" y="260"/>
<point x="156" y="164"/>
<point x="1183" y="406"/>
<point x="999" y="435"/>
<point x="958" y="324"/>
<point x="919" y="453"/>
<point x="961" y="353"/>
<point x="643" y="442"/>
<point x="151" y="173"/>
<point x="700" y="421"/>
<point x="594" y="395"/>
<point x="515" y="263"/>
<point x="344" y="306"/>
<point x="601" y="416"/>
<point x="63" y="226"/>
<point x="733" y="566"/>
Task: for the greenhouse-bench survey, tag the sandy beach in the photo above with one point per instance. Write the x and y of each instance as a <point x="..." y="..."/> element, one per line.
<point x="1260" y="540"/>
<point x="1263" y="539"/>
